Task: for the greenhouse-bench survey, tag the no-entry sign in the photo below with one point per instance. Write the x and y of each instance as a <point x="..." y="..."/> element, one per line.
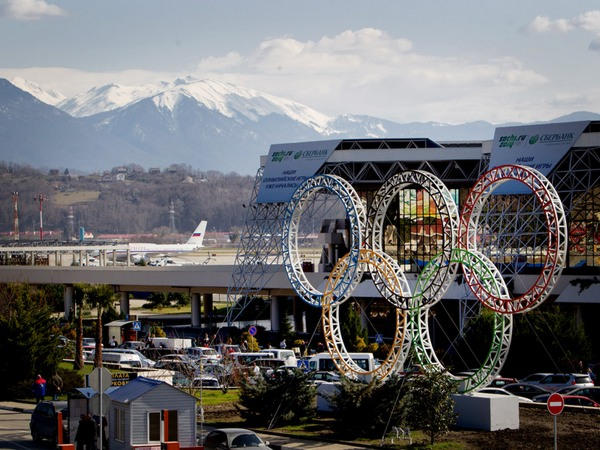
<point x="555" y="404"/>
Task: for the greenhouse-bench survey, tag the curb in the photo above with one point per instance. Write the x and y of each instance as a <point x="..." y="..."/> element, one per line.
<point x="16" y="409"/>
<point x="310" y="438"/>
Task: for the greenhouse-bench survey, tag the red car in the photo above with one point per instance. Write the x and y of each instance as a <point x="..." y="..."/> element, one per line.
<point x="580" y="400"/>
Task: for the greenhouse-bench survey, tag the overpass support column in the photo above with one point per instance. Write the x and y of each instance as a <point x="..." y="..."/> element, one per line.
<point x="275" y="313"/>
<point x="195" y="309"/>
<point x="208" y="306"/>
<point x="68" y="301"/>
<point x="124" y="303"/>
<point x="128" y="257"/>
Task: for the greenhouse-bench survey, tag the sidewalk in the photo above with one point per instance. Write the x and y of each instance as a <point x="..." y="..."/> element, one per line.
<point x="22" y="407"/>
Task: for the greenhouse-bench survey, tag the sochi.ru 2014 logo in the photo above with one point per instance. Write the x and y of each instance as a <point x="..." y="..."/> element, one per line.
<point x="534" y="139"/>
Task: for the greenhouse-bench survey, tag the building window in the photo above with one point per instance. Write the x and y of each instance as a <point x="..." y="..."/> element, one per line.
<point x="154" y="427"/>
<point x="119" y="424"/>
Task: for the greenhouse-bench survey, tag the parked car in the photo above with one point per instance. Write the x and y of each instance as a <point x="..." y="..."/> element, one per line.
<point x="525" y="389"/>
<point x="558" y="381"/>
<point x="135" y="355"/>
<point x="177" y="362"/>
<point x="590" y="392"/>
<point x="206" y="382"/>
<point x="206" y="354"/>
<point x="534" y="377"/>
<point x="227" y="438"/>
<point x="502" y="381"/>
<point x="135" y="345"/>
<point x="43" y="422"/>
<point x="501" y="391"/>
<point x="580" y="400"/>
<point x="324" y="375"/>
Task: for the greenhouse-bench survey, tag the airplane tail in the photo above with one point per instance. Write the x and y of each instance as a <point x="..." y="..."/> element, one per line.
<point x="198" y="235"/>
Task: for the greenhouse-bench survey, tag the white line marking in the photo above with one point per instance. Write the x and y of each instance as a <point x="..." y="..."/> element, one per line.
<point x="555" y="403"/>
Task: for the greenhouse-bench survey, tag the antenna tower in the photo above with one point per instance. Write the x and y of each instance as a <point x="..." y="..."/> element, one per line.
<point x="15" y="199"/>
<point x="41" y="198"/>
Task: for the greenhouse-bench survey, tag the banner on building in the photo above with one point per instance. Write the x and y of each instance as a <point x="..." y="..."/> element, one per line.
<point x="538" y="146"/>
<point x="288" y="165"/>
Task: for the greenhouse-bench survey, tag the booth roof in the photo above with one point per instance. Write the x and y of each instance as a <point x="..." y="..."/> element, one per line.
<point x="134" y="389"/>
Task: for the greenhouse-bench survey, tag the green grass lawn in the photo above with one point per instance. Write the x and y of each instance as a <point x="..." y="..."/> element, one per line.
<point x="211" y="397"/>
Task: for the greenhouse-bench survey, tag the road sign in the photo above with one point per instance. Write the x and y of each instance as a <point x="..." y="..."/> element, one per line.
<point x="252" y="330"/>
<point x="94" y="379"/>
<point x="555" y="404"/>
<point x="379" y="338"/>
<point x="136" y="326"/>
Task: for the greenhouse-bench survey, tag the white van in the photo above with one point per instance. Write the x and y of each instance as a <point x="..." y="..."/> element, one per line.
<point x="323" y="361"/>
<point x="287" y="356"/>
<point x="121" y="359"/>
<point x="146" y="362"/>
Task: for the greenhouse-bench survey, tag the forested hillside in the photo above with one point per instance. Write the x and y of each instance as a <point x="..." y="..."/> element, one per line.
<point x="107" y="203"/>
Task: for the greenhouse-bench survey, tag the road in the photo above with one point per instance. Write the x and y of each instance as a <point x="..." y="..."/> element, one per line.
<point x="14" y="434"/>
<point x="14" y="431"/>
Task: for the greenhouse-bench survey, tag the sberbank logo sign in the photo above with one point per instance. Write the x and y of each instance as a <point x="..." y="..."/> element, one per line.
<point x="534" y="139"/>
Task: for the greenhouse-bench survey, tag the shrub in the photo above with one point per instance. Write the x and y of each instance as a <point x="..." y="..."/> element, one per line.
<point x="284" y="397"/>
<point x="363" y="409"/>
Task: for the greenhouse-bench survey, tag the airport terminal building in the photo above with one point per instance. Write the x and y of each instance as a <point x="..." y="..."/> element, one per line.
<point x="513" y="235"/>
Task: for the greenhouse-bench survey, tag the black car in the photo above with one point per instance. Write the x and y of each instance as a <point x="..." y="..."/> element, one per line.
<point x="525" y="390"/>
<point x="43" y="423"/>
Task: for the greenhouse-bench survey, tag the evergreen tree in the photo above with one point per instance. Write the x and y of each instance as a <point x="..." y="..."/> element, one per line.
<point x="283" y="397"/>
<point x="368" y="409"/>
<point x="429" y="403"/>
<point x="354" y="335"/>
<point x="28" y="339"/>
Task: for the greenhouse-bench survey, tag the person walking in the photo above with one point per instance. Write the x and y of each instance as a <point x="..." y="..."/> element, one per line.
<point x="57" y="385"/>
<point x="39" y="388"/>
<point x="86" y="433"/>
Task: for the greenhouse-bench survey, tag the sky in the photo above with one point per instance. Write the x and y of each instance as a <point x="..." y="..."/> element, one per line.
<point x="431" y="60"/>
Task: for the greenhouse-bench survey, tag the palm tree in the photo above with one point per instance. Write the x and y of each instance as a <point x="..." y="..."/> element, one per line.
<point x="79" y="297"/>
<point x="100" y="296"/>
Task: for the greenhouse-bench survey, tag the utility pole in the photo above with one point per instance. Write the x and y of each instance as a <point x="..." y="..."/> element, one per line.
<point x="15" y="199"/>
<point x="41" y="198"/>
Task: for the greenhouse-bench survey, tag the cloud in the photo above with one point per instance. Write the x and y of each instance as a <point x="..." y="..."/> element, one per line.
<point x="28" y="9"/>
<point x="588" y="21"/>
<point x="368" y="72"/>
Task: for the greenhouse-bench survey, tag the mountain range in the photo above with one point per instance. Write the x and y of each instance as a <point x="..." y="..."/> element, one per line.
<point x="209" y="125"/>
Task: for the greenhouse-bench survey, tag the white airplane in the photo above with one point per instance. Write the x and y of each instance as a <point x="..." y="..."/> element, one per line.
<point x="139" y="249"/>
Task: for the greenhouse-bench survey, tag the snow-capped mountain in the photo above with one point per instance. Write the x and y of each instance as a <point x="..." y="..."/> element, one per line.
<point x="47" y="96"/>
<point x="225" y="98"/>
<point x="106" y="98"/>
<point x="206" y="124"/>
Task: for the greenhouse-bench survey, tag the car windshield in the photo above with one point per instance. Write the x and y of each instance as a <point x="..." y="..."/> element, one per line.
<point x="245" y="440"/>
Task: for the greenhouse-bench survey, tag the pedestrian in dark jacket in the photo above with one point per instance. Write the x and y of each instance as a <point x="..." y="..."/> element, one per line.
<point x="39" y="388"/>
<point x="57" y="385"/>
<point x="86" y="433"/>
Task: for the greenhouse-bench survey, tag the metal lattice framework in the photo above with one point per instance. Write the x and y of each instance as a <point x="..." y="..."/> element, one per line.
<point x="448" y="215"/>
<point x="399" y="347"/>
<point x="356" y="215"/>
<point x="556" y="226"/>
<point x="491" y="279"/>
<point x="259" y="251"/>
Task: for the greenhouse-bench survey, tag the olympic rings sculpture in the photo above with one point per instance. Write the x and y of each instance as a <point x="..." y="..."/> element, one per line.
<point x="439" y="283"/>
<point x="355" y="212"/>
<point x="492" y="279"/>
<point x="556" y="224"/>
<point x="331" y="321"/>
<point x="459" y="247"/>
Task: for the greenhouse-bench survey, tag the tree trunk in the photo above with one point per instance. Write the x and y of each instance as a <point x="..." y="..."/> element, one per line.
<point x="98" y="352"/>
<point x="78" y="364"/>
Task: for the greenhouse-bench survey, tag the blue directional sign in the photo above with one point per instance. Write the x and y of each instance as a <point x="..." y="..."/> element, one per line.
<point x="252" y="330"/>
<point x="379" y="338"/>
<point x="136" y="326"/>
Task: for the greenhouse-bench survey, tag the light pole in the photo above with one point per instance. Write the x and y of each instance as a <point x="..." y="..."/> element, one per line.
<point x="41" y="198"/>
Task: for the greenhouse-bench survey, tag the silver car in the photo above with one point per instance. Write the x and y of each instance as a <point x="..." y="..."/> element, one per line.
<point x="558" y="381"/>
<point x="226" y="438"/>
